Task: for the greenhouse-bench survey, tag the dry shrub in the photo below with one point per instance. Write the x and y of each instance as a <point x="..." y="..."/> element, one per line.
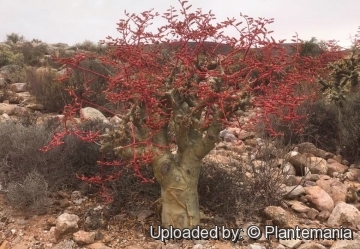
<point x="349" y="128"/>
<point x="19" y="150"/>
<point x="219" y="190"/>
<point x="90" y="46"/>
<point x="130" y="193"/>
<point x="263" y="178"/>
<point x="14" y="73"/>
<point x="81" y="81"/>
<point x="322" y="126"/>
<point x="244" y="189"/>
<point x="30" y="194"/>
<point x="336" y="129"/>
<point x="32" y="54"/>
<point x="289" y="128"/>
<point x="328" y="125"/>
<point x="47" y="90"/>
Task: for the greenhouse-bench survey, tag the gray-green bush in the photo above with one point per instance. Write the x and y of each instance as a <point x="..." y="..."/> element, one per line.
<point x="31" y="194"/>
<point x="47" y="90"/>
<point x="19" y="150"/>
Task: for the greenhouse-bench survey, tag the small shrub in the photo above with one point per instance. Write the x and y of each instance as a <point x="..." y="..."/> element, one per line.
<point x="129" y="192"/>
<point x="334" y="128"/>
<point x="31" y="194"/>
<point x="219" y="190"/>
<point x="28" y="119"/>
<point x="10" y="57"/>
<point x="261" y="180"/>
<point x="32" y="54"/>
<point x="349" y="129"/>
<point x="14" y="38"/>
<point x="14" y="73"/>
<point x="244" y="188"/>
<point x="18" y="49"/>
<point x="322" y="126"/>
<point x="290" y="123"/>
<point x="47" y="90"/>
<point x="88" y="82"/>
<point x="91" y="47"/>
<point x="19" y="150"/>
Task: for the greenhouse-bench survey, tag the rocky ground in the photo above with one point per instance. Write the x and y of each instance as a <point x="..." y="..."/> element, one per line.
<point x="321" y="191"/>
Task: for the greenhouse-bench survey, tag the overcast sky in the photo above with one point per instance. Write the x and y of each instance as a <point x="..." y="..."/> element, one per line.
<point x="73" y="21"/>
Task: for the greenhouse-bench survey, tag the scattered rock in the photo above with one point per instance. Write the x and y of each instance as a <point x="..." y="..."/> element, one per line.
<point x="292" y="180"/>
<point x="323" y="215"/>
<point x="251" y="142"/>
<point x="241" y="148"/>
<point x="312" y="213"/>
<point x="294" y="191"/>
<point x="336" y="189"/>
<point x="98" y="245"/>
<point x="256" y="246"/>
<point x="346" y="244"/>
<point x="355" y="172"/>
<point x="64" y="203"/>
<point x="334" y="166"/>
<point x="291" y="243"/>
<point x="344" y="214"/>
<point x="7" y="109"/>
<point x="18" y="87"/>
<point x="2" y="82"/>
<point x="66" y="244"/>
<point x="89" y="113"/>
<point x="5" y="245"/>
<point x="20" y="98"/>
<point x="319" y="198"/>
<point x="289" y="169"/>
<point x="244" y="135"/>
<point x="83" y="237"/>
<point x="75" y="195"/>
<point x="94" y="220"/>
<point x="227" y="136"/>
<point x="299" y="161"/>
<point x="5" y="116"/>
<point x="20" y="246"/>
<point x="311" y="245"/>
<point x="143" y="214"/>
<point x="298" y="206"/>
<point x="317" y="165"/>
<point x="350" y="176"/>
<point x="279" y="216"/>
<point x="63" y="194"/>
<point x="115" y="120"/>
<point x="67" y="223"/>
<point x="35" y="107"/>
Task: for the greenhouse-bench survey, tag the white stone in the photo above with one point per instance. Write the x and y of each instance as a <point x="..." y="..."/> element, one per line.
<point x="89" y="113"/>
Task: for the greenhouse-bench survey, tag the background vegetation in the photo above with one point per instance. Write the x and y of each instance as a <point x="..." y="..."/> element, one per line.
<point x="331" y="121"/>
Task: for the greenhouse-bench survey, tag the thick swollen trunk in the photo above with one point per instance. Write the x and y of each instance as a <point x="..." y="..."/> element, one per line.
<point x="178" y="180"/>
<point x="180" y="208"/>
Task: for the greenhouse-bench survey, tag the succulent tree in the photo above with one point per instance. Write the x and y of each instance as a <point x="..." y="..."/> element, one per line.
<point x="176" y="87"/>
<point x="344" y="77"/>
